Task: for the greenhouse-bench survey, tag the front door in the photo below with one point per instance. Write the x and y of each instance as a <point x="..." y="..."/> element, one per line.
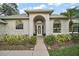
<point x="39" y="30"/>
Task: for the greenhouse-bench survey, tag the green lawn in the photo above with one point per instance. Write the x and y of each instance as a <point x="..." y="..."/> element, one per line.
<point x="70" y="51"/>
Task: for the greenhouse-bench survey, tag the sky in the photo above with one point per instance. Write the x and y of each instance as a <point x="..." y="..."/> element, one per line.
<point x="57" y="7"/>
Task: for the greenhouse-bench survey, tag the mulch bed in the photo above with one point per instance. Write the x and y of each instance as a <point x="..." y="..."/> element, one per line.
<point x="61" y="46"/>
<point x="4" y="46"/>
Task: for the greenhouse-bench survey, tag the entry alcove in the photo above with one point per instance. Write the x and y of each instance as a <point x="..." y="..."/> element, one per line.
<point x="39" y="25"/>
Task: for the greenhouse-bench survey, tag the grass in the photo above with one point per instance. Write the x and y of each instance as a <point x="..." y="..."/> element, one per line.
<point x="68" y="51"/>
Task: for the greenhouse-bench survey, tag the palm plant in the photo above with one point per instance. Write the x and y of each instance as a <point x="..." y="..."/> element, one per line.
<point x="77" y="11"/>
<point x="77" y="15"/>
<point x="70" y="13"/>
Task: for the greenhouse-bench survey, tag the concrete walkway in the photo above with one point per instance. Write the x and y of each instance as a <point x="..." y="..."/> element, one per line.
<point x="39" y="50"/>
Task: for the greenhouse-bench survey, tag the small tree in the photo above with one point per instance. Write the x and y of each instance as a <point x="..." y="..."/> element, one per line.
<point x="70" y="13"/>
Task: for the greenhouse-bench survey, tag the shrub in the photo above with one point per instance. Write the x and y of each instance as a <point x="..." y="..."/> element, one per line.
<point x="32" y="40"/>
<point x="10" y="39"/>
<point x="14" y="39"/>
<point x="75" y="37"/>
<point x="63" y="38"/>
<point x="18" y="39"/>
<point x="25" y="40"/>
<point x="1" y="37"/>
<point x="49" y="40"/>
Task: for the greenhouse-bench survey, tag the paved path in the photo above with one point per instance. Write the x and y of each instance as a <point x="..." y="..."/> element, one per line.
<point x="39" y="50"/>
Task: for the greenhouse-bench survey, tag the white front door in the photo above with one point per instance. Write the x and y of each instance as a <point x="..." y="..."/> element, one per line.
<point x="39" y="30"/>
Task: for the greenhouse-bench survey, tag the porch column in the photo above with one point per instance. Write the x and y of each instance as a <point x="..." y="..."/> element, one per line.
<point x="47" y="25"/>
<point x="30" y="26"/>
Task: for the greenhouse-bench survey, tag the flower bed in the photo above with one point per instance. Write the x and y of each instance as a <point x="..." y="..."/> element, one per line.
<point x="17" y="42"/>
<point x="59" y="41"/>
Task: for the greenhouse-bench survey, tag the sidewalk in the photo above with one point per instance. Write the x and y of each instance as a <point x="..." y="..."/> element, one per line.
<point x="16" y="53"/>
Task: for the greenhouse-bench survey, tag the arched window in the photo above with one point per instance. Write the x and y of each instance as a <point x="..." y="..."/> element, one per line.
<point x="57" y="26"/>
<point x="19" y="24"/>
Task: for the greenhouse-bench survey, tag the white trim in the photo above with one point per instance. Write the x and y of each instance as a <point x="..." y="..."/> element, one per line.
<point x="40" y="29"/>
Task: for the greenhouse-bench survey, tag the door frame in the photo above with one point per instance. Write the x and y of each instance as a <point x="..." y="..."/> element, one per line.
<point x="40" y="30"/>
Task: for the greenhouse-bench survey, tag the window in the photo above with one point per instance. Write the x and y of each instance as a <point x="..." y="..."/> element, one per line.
<point x="19" y="24"/>
<point x="76" y="27"/>
<point x="57" y="27"/>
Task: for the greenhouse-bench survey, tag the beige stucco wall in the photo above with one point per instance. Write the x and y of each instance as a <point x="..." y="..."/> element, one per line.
<point x="64" y="26"/>
<point x="2" y="29"/>
<point x="11" y="27"/>
<point x="28" y="25"/>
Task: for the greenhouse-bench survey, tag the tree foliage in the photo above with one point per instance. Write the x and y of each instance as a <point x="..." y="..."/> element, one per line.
<point x="8" y="9"/>
<point x="70" y="13"/>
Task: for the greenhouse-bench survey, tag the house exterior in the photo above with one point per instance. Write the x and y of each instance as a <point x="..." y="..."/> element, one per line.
<point x="37" y="22"/>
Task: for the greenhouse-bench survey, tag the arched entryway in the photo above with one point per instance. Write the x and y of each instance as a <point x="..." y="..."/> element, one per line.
<point x="39" y="25"/>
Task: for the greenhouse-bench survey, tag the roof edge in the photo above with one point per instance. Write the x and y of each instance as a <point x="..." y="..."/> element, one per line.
<point x="39" y="11"/>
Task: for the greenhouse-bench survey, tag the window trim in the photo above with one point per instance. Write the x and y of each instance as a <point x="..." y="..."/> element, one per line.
<point x="58" y="29"/>
<point x="77" y="27"/>
<point x="19" y="25"/>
